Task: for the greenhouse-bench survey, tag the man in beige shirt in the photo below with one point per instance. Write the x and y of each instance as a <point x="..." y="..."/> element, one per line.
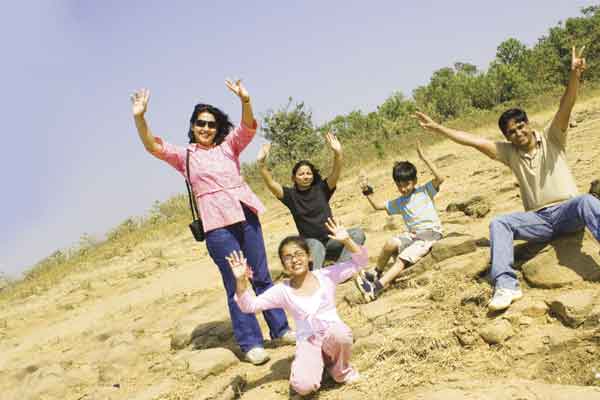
<point x="552" y="203"/>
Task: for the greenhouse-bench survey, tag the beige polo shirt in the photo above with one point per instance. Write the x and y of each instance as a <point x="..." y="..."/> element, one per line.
<point x="544" y="176"/>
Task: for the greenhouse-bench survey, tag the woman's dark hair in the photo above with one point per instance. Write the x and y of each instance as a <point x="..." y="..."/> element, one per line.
<point x="298" y="241"/>
<point x="404" y="171"/>
<point x="224" y="125"/>
<point x="316" y="174"/>
<point x="515" y="114"/>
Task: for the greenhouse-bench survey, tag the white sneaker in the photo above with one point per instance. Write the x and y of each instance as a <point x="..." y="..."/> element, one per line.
<point x="503" y="298"/>
<point x="289" y="337"/>
<point x="257" y="356"/>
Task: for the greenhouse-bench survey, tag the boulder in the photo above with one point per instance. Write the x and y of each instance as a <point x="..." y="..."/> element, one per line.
<point x="566" y="260"/>
<point x="452" y="246"/>
<point x="207" y="362"/>
<point x="573" y="308"/>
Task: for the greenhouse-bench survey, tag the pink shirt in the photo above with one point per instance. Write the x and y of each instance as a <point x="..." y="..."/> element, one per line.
<point x="312" y="314"/>
<point x="215" y="177"/>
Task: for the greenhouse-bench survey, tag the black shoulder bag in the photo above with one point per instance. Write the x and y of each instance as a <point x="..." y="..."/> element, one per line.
<point x="196" y="225"/>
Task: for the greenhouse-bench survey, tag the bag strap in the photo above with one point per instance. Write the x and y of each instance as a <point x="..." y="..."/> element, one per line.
<point x="190" y="190"/>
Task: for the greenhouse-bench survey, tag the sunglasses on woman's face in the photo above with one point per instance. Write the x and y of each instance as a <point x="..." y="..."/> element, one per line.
<point x="200" y="123"/>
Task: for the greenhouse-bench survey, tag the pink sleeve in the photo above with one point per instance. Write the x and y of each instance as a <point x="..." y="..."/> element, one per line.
<point x="271" y="298"/>
<point x="173" y="155"/>
<point x="344" y="270"/>
<point x="240" y="137"/>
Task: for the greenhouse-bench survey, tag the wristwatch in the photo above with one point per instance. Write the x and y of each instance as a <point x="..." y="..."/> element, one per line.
<point x="367" y="191"/>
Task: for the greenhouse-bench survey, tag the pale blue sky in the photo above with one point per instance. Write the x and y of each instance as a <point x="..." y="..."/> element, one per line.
<point x="72" y="161"/>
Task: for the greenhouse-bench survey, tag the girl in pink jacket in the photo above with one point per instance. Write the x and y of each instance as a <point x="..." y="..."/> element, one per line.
<point x="322" y="339"/>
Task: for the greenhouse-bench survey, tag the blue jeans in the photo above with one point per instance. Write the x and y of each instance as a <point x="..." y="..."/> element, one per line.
<point x="538" y="226"/>
<point x="247" y="237"/>
<point x="332" y="249"/>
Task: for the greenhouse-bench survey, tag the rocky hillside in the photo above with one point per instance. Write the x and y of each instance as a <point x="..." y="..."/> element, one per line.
<point x="153" y="324"/>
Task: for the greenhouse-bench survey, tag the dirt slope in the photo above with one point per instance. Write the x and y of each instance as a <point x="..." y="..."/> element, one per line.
<point x="107" y="334"/>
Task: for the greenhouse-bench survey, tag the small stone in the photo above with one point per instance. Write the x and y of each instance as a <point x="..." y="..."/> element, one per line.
<point x="496" y="332"/>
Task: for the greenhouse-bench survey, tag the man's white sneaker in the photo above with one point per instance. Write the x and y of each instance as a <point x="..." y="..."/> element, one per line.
<point x="503" y="298"/>
<point x="257" y="356"/>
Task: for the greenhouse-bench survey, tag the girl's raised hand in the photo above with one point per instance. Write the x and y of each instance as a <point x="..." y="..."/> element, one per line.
<point x="338" y="232"/>
<point x="238" y="265"/>
<point x="238" y="89"/>
<point x="139" y="101"/>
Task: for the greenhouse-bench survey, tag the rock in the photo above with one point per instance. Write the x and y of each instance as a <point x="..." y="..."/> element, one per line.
<point x="496" y="331"/>
<point x="569" y="259"/>
<point x="574" y="307"/>
<point x="593" y="318"/>
<point x="207" y="362"/>
<point x="542" y="273"/>
<point x="529" y="307"/>
<point x="227" y="389"/>
<point x="211" y="334"/>
<point x="180" y="339"/>
<point x="476" y="206"/>
<point x="452" y="247"/>
<point x="465" y="337"/>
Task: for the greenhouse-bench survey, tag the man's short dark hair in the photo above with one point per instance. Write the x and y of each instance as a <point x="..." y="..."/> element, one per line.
<point x="515" y="114"/>
<point x="404" y="171"/>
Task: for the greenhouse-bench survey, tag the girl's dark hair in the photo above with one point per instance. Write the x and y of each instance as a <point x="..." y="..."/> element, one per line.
<point x="224" y="125"/>
<point x="515" y="114"/>
<point x="404" y="171"/>
<point x="316" y="174"/>
<point x="298" y="241"/>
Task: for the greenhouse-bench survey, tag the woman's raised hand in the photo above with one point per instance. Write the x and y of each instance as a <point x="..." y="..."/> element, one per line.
<point x="338" y="232"/>
<point x="333" y="142"/>
<point x="139" y="100"/>
<point x="238" y="89"/>
<point x="238" y="265"/>
<point x="263" y="153"/>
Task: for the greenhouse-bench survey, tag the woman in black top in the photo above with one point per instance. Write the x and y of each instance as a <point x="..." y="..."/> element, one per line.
<point x="308" y="201"/>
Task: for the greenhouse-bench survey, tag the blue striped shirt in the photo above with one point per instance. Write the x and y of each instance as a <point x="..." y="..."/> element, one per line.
<point x="417" y="209"/>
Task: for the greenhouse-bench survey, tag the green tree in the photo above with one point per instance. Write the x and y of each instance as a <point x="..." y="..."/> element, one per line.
<point x="291" y="131"/>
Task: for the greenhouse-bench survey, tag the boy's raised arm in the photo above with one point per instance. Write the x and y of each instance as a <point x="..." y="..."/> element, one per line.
<point x="485" y="146"/>
<point x="437" y="178"/>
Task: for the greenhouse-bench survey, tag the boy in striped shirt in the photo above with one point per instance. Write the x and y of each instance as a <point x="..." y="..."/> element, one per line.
<point x="423" y="224"/>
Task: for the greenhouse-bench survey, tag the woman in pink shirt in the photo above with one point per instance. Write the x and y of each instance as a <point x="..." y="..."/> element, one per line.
<point x="226" y="204"/>
<point x="322" y="339"/>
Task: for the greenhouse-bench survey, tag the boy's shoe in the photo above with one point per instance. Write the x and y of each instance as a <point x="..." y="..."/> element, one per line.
<point x="257" y="356"/>
<point x="367" y="289"/>
<point x="371" y="275"/>
<point x="503" y="298"/>
<point x="289" y="337"/>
